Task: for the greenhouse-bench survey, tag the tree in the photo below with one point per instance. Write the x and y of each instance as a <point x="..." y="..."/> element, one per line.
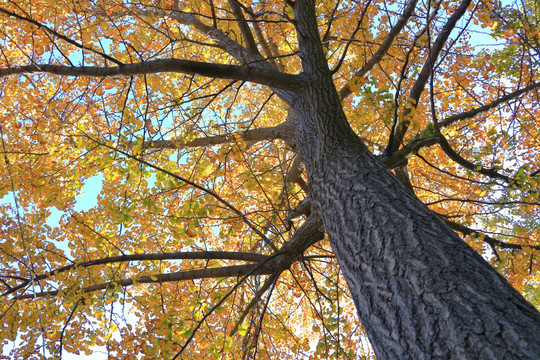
<point x="244" y="150"/>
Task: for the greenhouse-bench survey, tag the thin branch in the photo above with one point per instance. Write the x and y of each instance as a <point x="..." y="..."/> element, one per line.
<point x="454" y="175"/>
<point x="309" y="233"/>
<point x="60" y="341"/>
<point x="402" y="76"/>
<point x="351" y="38"/>
<point x="482" y="109"/>
<point x="57" y="34"/>
<point x="259" y="326"/>
<point x="222" y="300"/>
<point x="293" y="176"/>
<point x="383" y="49"/>
<point x="197" y="186"/>
<point x="332" y="17"/>
<point x="426" y="137"/>
<point x="452" y="154"/>
<point x="396" y="137"/>
<point x="486" y="238"/>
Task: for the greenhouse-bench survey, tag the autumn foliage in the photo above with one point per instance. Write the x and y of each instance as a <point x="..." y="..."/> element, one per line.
<point x="197" y="177"/>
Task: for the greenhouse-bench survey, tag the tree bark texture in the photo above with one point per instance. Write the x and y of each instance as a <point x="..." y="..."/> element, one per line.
<point x="421" y="292"/>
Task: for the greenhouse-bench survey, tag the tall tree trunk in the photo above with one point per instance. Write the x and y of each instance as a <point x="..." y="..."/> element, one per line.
<point x="420" y="291"/>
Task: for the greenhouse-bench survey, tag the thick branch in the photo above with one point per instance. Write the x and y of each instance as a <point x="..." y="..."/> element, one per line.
<point x="251" y="45"/>
<point x="269" y="48"/>
<point x="400" y="157"/>
<point x="266" y="76"/>
<point x="311" y="231"/>
<point x="311" y="50"/>
<point x="323" y="123"/>
<point x="308" y="234"/>
<point x="295" y="175"/>
<point x="303" y="208"/>
<point x="232" y="47"/>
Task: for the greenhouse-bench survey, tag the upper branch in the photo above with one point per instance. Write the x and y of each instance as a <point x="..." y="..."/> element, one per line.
<point x="267" y="76"/>
<point x="311" y="50"/>
<point x="488" y="239"/>
<point x="388" y="41"/>
<point x="399" y="131"/>
<point x="251" y="45"/>
<point x="230" y="46"/>
<point x="481" y="109"/>
<point x="428" y="138"/>
<point x="452" y="154"/>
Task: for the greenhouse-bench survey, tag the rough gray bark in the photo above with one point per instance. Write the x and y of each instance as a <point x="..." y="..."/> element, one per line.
<point x="420" y="291"/>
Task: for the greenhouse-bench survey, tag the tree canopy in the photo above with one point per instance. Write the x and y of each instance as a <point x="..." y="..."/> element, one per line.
<point x="178" y="115"/>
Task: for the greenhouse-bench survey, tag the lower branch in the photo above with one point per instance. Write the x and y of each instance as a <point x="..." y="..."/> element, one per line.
<point x="452" y="154"/>
<point x="271" y="280"/>
<point x="308" y="234"/>
<point x="225" y="271"/>
<point x="202" y="255"/>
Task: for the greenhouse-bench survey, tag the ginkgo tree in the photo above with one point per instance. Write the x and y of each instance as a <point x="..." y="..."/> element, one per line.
<point x="278" y="179"/>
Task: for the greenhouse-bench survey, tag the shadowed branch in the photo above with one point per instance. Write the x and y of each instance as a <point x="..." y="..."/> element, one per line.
<point x="267" y="76"/>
